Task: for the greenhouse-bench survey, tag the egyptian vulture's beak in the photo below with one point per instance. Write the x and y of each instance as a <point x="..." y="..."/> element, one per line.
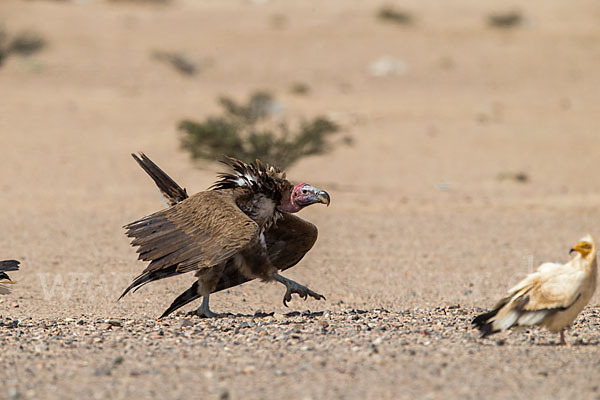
<point x="323" y="197"/>
<point x="583" y="248"/>
<point x="7" y="281"/>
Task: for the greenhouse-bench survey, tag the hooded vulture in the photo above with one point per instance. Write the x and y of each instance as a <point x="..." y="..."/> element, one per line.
<point x="240" y="229"/>
<point x="8" y="265"/>
<point x="552" y="296"/>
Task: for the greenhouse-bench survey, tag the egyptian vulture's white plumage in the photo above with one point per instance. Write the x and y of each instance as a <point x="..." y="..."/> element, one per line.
<point x="552" y="296"/>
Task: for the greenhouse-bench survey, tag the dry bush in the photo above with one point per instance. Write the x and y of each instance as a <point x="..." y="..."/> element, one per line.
<point x="180" y="62"/>
<point x="249" y="132"/>
<point x="393" y="15"/>
<point x="505" y="20"/>
<point x="23" y="43"/>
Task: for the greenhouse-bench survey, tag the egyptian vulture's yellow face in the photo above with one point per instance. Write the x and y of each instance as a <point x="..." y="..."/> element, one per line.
<point x="584" y="248"/>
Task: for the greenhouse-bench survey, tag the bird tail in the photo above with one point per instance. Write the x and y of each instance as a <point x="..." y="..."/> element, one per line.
<point x="510" y="312"/>
<point x="9" y="265"/>
<point x="172" y="192"/>
<point x="484" y="322"/>
<point x="186" y="297"/>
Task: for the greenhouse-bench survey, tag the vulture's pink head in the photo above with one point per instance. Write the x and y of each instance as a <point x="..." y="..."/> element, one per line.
<point x="303" y="195"/>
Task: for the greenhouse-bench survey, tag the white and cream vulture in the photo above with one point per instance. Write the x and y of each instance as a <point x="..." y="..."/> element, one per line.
<point x="6" y="266"/>
<point x="242" y="228"/>
<point x="551" y="297"/>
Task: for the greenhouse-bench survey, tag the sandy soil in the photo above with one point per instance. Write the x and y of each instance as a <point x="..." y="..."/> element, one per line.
<point x="426" y="227"/>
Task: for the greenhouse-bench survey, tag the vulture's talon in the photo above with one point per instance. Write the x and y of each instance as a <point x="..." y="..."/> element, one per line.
<point x="203" y="311"/>
<point x="294" y="287"/>
<point x="200" y="314"/>
<point x="287" y="297"/>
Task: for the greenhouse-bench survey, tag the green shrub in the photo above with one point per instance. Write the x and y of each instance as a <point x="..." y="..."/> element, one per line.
<point x="248" y="132"/>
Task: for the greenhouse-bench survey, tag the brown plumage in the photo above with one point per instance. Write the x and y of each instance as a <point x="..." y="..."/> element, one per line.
<point x="5" y="266"/>
<point x="238" y="230"/>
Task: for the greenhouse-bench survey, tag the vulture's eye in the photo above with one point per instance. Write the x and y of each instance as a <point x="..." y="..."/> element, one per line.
<point x="304" y="191"/>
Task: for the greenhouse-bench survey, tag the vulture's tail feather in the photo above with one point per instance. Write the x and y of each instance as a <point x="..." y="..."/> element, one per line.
<point x="9" y="265"/>
<point x="150" y="276"/>
<point x="167" y="186"/>
<point x="186" y="297"/>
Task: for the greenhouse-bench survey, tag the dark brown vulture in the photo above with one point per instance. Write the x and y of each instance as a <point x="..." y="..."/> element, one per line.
<point x="8" y="265"/>
<point x="240" y="229"/>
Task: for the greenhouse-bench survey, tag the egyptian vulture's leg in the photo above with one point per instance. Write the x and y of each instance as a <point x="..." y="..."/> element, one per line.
<point x="207" y="282"/>
<point x="562" y="337"/>
<point x="294" y="287"/>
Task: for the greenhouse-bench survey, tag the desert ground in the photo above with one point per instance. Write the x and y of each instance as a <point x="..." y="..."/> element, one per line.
<point x="473" y="160"/>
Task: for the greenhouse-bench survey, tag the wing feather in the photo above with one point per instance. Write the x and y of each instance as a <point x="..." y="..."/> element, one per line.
<point x="287" y="243"/>
<point x="554" y="286"/>
<point x="199" y="232"/>
<point x="172" y="192"/>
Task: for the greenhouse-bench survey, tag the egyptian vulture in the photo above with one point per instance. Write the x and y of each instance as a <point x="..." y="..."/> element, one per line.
<point x="8" y="265"/>
<point x="552" y="296"/>
<point x="240" y="229"/>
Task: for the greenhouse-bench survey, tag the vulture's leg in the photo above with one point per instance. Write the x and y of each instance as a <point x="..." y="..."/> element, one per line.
<point x="207" y="281"/>
<point x="204" y="310"/>
<point x="294" y="287"/>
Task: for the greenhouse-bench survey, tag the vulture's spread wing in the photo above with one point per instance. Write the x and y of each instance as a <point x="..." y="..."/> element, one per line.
<point x="200" y="232"/>
<point x="172" y="192"/>
<point x="289" y="240"/>
<point x="287" y="243"/>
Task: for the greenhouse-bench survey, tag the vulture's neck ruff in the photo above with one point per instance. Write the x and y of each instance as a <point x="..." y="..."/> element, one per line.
<point x="261" y="189"/>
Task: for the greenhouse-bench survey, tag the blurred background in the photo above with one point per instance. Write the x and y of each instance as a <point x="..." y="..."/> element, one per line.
<point x="458" y="140"/>
<point x="456" y="131"/>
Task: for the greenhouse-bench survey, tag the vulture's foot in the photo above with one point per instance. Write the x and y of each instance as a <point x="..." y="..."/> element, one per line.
<point x="203" y="311"/>
<point x="294" y="287"/>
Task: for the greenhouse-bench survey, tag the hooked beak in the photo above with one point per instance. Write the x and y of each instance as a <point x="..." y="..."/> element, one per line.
<point x="4" y="278"/>
<point x="584" y="248"/>
<point x="323" y="197"/>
